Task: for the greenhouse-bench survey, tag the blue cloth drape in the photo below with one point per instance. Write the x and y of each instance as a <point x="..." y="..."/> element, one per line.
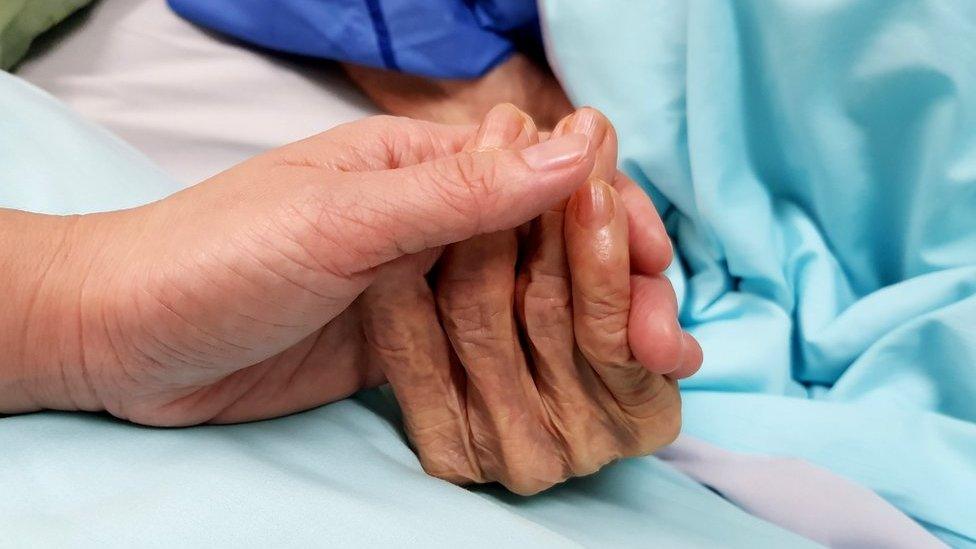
<point x="436" y="38"/>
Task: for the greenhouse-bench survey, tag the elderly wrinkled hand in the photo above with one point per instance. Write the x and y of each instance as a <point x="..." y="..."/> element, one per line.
<point x="517" y="363"/>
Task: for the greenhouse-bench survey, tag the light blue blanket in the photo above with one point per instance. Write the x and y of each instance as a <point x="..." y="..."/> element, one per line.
<point x="816" y="165"/>
<point x="341" y="475"/>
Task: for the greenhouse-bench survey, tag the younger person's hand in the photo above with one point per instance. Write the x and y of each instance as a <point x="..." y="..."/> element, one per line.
<point x="235" y="300"/>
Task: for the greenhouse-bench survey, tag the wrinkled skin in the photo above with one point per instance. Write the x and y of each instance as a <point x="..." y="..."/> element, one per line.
<point x="516" y="366"/>
<point x="533" y="89"/>
<point x="517" y="80"/>
<point x="236" y="299"/>
<point x="535" y="355"/>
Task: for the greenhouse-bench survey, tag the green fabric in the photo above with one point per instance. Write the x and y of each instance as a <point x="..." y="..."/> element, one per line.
<point x="23" y="20"/>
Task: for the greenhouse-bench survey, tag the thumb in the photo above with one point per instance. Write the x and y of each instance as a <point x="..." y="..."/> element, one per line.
<point x="382" y="215"/>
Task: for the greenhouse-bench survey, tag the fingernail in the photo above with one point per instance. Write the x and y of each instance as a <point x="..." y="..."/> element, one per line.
<point x="587" y="122"/>
<point x="594" y="205"/>
<point x="499" y="128"/>
<point x="556" y="153"/>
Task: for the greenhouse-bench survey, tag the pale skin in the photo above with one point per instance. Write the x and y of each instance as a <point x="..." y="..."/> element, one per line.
<point x="250" y="295"/>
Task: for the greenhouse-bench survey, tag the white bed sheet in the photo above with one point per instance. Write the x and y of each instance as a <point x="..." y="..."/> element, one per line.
<point x="193" y="102"/>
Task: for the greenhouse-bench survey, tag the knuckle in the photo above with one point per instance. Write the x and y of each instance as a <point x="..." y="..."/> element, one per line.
<point x="633" y="387"/>
<point x="468" y="185"/>
<point x="589" y="457"/>
<point x="471" y="306"/>
<point x="384" y="128"/>
<point x="385" y="125"/>
<point x="402" y="141"/>
<point x="594" y="464"/>
<point x="543" y="471"/>
<point x="547" y="309"/>
<point x="478" y="177"/>
<point x="658" y="423"/>
<point x="450" y="186"/>
<point x="666" y="432"/>
<point x="526" y="488"/>
<point x="382" y="124"/>
<point x="442" y="455"/>
<point x="449" y="472"/>
<point x="528" y="482"/>
<point x="477" y="328"/>
<point x="605" y="317"/>
<point x="605" y="343"/>
<point x="605" y="298"/>
<point x="527" y="469"/>
<point x="590" y="436"/>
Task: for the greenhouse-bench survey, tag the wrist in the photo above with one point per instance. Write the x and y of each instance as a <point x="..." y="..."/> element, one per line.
<point x="42" y="336"/>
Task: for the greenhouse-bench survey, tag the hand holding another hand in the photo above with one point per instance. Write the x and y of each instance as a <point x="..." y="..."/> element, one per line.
<point x="234" y="300"/>
<point x="532" y="378"/>
<point x="298" y="278"/>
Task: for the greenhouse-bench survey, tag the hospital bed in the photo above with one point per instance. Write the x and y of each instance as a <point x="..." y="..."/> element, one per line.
<point x="194" y="104"/>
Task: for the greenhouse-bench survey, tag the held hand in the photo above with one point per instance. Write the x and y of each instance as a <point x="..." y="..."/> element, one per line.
<point x="532" y="379"/>
<point x="534" y="89"/>
<point x="234" y="300"/>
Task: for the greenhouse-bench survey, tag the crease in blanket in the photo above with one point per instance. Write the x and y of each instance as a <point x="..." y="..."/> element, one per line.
<point x="816" y="167"/>
<point x="800" y="497"/>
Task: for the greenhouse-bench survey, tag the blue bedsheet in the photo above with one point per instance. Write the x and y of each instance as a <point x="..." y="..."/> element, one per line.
<point x="816" y="166"/>
<point x="338" y="476"/>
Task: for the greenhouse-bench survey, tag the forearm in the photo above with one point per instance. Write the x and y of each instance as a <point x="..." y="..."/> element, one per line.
<point x="41" y="334"/>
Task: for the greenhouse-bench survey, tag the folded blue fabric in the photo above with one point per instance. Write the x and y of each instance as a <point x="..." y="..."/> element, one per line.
<point x="338" y="476"/>
<point x="438" y="38"/>
<point x="816" y="166"/>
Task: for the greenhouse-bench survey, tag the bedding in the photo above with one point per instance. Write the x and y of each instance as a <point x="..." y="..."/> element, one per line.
<point x="803" y="498"/>
<point x="22" y="20"/>
<point x="815" y="164"/>
<point x="195" y="105"/>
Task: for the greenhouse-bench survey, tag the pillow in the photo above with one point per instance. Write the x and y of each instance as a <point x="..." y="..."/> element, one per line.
<point x="22" y="20"/>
